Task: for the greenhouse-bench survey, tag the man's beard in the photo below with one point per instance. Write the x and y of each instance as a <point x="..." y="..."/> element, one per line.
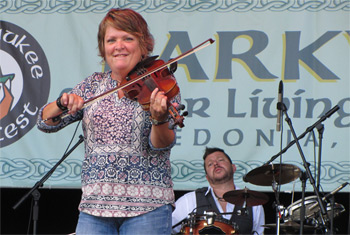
<point x="227" y="177"/>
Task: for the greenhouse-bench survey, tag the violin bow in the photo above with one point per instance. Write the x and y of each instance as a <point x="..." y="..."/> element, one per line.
<point x="103" y="95"/>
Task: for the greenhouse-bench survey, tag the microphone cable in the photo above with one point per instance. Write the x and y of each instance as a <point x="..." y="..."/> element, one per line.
<point x="75" y="132"/>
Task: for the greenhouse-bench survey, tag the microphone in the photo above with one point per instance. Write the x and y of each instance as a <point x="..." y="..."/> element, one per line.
<point x="279" y="109"/>
<point x="330" y="194"/>
<point x="335" y="191"/>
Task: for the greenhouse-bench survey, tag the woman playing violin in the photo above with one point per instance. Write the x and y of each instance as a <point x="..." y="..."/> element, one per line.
<point x="126" y="173"/>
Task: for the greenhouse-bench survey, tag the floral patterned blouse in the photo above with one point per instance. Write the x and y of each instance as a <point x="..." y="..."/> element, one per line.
<point x="123" y="175"/>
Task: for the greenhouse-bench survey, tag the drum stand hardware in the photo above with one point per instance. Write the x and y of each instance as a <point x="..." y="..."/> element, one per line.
<point x="35" y="192"/>
<point x="273" y="175"/>
<point x="306" y="165"/>
<point x="282" y="106"/>
<point x="303" y="179"/>
<point x="277" y="204"/>
<point x="284" y="173"/>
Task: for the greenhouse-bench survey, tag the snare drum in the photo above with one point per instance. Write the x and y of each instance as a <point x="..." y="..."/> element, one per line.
<point x="209" y="223"/>
<point x="312" y="209"/>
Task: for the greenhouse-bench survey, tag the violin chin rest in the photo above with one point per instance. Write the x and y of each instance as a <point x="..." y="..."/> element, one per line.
<point x="173" y="67"/>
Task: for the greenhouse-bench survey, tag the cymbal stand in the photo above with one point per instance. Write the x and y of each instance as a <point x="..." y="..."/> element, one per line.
<point x="303" y="179"/>
<point x="332" y="213"/>
<point x="277" y="204"/>
<point x="244" y="207"/>
<point x="282" y="106"/>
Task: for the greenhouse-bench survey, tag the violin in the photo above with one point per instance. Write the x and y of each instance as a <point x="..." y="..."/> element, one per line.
<point x="144" y="78"/>
<point x="162" y="79"/>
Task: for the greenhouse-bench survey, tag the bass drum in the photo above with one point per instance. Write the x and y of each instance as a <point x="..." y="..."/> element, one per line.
<point x="209" y="223"/>
<point x="312" y="210"/>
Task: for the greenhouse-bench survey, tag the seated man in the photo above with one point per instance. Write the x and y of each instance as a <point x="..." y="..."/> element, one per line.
<point x="219" y="173"/>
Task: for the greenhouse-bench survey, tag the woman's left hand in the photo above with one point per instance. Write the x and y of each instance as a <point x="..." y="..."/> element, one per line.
<point x="161" y="135"/>
<point x="158" y="105"/>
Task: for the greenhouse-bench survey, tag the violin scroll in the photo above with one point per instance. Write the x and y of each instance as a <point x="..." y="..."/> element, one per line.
<point x="177" y="119"/>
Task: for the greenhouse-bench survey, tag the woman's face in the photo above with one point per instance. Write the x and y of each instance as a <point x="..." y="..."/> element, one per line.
<point x="122" y="52"/>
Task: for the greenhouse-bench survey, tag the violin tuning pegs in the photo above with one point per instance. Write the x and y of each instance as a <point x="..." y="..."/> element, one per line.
<point x="181" y="107"/>
<point x="185" y="113"/>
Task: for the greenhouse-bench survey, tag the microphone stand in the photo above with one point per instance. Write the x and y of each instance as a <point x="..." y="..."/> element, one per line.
<point x="282" y="106"/>
<point x="320" y="129"/>
<point x="35" y="192"/>
<point x="310" y="128"/>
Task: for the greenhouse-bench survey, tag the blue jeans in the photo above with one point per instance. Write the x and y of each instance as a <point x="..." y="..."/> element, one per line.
<point x="151" y="223"/>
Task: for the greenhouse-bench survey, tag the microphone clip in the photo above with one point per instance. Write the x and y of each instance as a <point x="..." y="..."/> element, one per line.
<point x="281" y="106"/>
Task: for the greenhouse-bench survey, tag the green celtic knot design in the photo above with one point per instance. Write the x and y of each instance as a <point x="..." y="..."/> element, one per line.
<point x="152" y="6"/>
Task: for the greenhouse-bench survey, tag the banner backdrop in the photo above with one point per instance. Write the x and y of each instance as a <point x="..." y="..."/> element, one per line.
<point x="229" y="88"/>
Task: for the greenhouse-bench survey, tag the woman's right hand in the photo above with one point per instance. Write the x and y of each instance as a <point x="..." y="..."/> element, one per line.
<point x="73" y="103"/>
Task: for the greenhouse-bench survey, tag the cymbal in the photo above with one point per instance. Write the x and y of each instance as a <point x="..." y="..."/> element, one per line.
<point x="252" y="198"/>
<point x="290" y="226"/>
<point x="265" y="175"/>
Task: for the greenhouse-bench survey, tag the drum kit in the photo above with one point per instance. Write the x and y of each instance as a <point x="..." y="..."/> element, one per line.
<point x="267" y="175"/>
<point x="307" y="214"/>
<point x="214" y="223"/>
<point x="314" y="220"/>
<point x="207" y="223"/>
